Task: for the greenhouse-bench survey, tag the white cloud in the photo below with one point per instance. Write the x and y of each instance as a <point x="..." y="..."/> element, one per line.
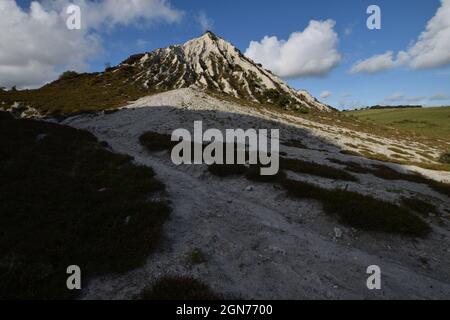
<point x="375" y="64"/>
<point x="348" y="31"/>
<point x="142" y="43"/>
<point x="439" y="97"/>
<point x="110" y="13"/>
<point x="415" y="99"/>
<point x="205" y="22"/>
<point x="433" y="46"/>
<point x="401" y="98"/>
<point x="395" y="97"/>
<point x="35" y="44"/>
<point x="312" y="52"/>
<point x="431" y="50"/>
<point x="325" y="94"/>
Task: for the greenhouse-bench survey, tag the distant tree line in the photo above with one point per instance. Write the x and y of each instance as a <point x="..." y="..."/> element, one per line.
<point x="395" y="107"/>
<point x="377" y="107"/>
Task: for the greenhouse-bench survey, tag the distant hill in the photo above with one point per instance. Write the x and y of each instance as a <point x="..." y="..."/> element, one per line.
<point x="431" y="122"/>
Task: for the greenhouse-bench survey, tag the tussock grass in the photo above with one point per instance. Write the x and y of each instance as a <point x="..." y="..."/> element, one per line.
<point x="154" y="141"/>
<point x="316" y="169"/>
<point x="179" y="288"/>
<point x="362" y="212"/>
<point x="350" y="153"/>
<point x="419" y="206"/>
<point x="295" y="144"/>
<point x="197" y="257"/>
<point x="253" y="173"/>
<point x="399" y="151"/>
<point x="351" y="166"/>
<point x="66" y="200"/>
<point x="387" y="173"/>
<point x="445" y="158"/>
<point x="225" y="170"/>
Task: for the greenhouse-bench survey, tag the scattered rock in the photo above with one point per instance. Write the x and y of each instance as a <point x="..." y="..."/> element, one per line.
<point x="338" y="233"/>
<point x="249" y="188"/>
<point x="277" y="250"/>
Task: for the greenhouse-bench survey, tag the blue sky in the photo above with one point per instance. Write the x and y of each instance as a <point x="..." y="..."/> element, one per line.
<point x="241" y="22"/>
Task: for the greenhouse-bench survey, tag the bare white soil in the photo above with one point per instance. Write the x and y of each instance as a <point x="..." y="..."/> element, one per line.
<point x="259" y="243"/>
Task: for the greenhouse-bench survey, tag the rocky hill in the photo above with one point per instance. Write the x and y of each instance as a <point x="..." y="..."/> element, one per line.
<point x="208" y="63"/>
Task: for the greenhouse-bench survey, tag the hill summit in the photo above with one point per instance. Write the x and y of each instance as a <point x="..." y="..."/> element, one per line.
<point x="208" y="63"/>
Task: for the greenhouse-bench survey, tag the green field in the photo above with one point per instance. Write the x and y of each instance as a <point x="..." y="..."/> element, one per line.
<point x="430" y="122"/>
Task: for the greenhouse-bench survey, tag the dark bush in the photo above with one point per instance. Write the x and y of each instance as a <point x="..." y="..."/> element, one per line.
<point x="224" y="170"/>
<point x="419" y="206"/>
<point x="445" y="158"/>
<point x="154" y="141"/>
<point x="66" y="200"/>
<point x="179" y="288"/>
<point x="360" y="211"/>
<point x="316" y="169"/>
<point x="253" y="173"/>
<point x="68" y="75"/>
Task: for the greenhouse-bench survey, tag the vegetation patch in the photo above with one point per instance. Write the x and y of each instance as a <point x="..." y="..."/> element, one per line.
<point x="68" y="75"/>
<point x="253" y="173"/>
<point x="419" y="206"/>
<point x="351" y="166"/>
<point x="154" y="141"/>
<point x="445" y="158"/>
<point x="350" y="153"/>
<point x="74" y="93"/>
<point x="179" y="288"/>
<point x="387" y="173"/>
<point x="295" y="144"/>
<point x="316" y="169"/>
<point x="65" y="200"/>
<point x="197" y="257"/>
<point x="398" y="150"/>
<point x="362" y="212"/>
<point x="225" y="170"/>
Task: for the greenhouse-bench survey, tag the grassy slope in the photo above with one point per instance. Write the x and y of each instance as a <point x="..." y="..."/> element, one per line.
<point x="431" y="122"/>
<point x="65" y="200"/>
<point x="81" y="93"/>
